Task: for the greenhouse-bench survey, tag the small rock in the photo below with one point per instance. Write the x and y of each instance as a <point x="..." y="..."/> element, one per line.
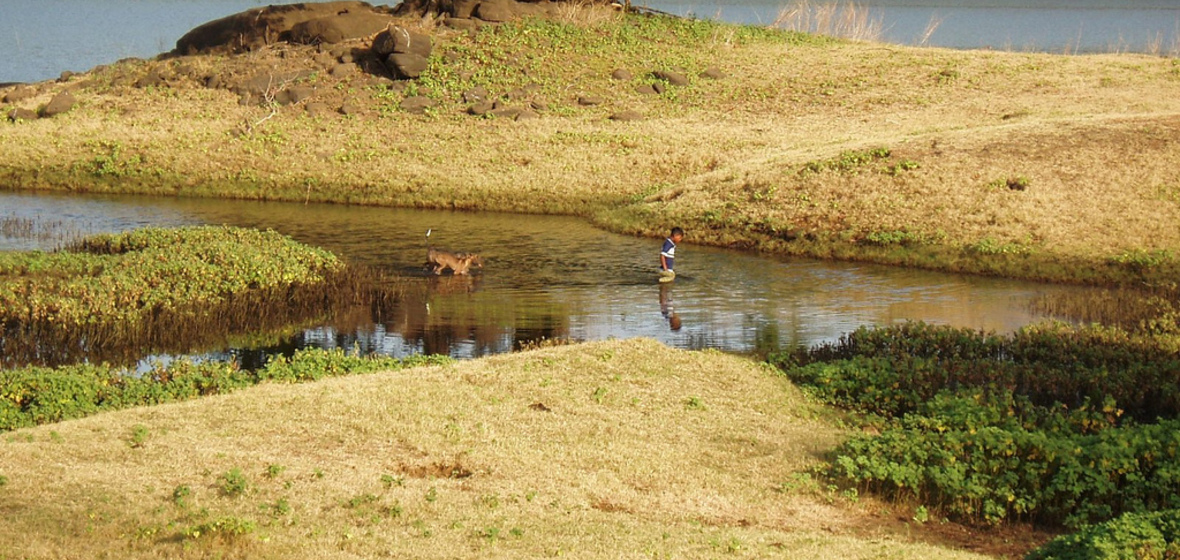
<point x="22" y="115"/>
<point x="18" y="94"/>
<point x="507" y="113"/>
<point x="399" y="40"/>
<point x="713" y="73"/>
<point x="628" y="115"/>
<point x="480" y="109"/>
<point x="527" y="115"/>
<point x="405" y="65"/>
<point x="539" y="104"/>
<point x="341" y="70"/>
<point x="590" y="100"/>
<point x="475" y="94"/>
<point x="417" y="104"/>
<point x="622" y="74"/>
<point x="325" y="60"/>
<point x="318" y="108"/>
<point x="646" y="89"/>
<point x="294" y="95"/>
<point x="60" y="103"/>
<point x="672" y="77"/>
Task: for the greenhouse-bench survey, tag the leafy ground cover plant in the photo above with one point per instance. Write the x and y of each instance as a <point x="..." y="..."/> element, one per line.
<point x="1056" y="424"/>
<point x="1134" y="535"/>
<point x="38" y="395"/>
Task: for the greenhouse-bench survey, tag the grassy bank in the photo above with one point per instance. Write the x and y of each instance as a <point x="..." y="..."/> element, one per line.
<point x="602" y="450"/>
<point x="1027" y="165"/>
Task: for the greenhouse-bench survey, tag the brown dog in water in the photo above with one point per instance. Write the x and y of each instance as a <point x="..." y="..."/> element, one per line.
<point x="459" y="263"/>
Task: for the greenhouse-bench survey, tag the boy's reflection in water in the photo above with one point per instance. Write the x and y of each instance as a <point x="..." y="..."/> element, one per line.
<point x="667" y="308"/>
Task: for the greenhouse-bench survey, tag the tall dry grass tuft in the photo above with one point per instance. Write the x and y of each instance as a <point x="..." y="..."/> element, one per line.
<point x="836" y="19"/>
<point x="931" y="27"/>
<point x="587" y="12"/>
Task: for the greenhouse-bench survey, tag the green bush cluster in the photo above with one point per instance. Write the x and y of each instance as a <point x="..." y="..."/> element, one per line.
<point x="892" y="371"/>
<point x="1138" y="536"/>
<point x="37" y="395"/>
<point x="1055" y="424"/>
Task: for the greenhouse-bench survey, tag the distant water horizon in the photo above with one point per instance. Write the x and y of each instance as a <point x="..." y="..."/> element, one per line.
<point x="43" y="38"/>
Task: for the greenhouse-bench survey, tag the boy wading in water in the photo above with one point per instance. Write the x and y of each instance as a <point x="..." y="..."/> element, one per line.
<point x="668" y="255"/>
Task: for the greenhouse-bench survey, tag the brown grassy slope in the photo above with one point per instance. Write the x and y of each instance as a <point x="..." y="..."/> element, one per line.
<point x="602" y="450"/>
<point x="1094" y="137"/>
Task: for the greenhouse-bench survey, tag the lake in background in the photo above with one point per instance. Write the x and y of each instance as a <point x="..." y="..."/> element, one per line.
<point x="43" y="38"/>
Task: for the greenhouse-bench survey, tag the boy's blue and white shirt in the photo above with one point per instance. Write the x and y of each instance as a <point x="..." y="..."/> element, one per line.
<point x="669" y="252"/>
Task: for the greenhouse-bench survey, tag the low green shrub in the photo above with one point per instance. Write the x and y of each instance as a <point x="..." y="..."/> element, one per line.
<point x="891" y="371"/>
<point x="991" y="473"/>
<point x="38" y="395"/>
<point x="1134" y="536"/>
<point x="1054" y="423"/>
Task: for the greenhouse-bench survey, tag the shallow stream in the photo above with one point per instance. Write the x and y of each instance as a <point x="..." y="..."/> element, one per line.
<point x="555" y="278"/>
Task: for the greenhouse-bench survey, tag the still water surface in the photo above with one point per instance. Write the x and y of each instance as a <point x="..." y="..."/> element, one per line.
<point x="42" y="38"/>
<point x="556" y="277"/>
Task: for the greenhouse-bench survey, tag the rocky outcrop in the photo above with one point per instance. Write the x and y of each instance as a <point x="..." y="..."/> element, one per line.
<point x="404" y="52"/>
<point x="491" y="11"/>
<point x="324" y="58"/>
<point x="306" y="23"/>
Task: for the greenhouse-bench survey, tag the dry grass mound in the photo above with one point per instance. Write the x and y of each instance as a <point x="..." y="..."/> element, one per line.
<point x="605" y="450"/>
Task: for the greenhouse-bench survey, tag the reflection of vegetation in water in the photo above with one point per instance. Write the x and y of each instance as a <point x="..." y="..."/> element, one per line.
<point x="1151" y="311"/>
<point x="116" y="297"/>
<point x="38" y="228"/>
<point x="39" y="395"/>
<point x="447" y="309"/>
<point x="1058" y="424"/>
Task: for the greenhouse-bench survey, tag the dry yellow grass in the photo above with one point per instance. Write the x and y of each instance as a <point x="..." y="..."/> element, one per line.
<point x="617" y="449"/>
<point x="1095" y="137"/>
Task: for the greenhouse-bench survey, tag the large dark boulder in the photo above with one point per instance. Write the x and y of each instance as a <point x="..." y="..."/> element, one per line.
<point x="494" y="11"/>
<point x="338" y="28"/>
<point x="305" y="22"/>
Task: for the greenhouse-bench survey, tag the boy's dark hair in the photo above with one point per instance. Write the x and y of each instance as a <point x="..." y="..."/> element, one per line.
<point x="676" y="230"/>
